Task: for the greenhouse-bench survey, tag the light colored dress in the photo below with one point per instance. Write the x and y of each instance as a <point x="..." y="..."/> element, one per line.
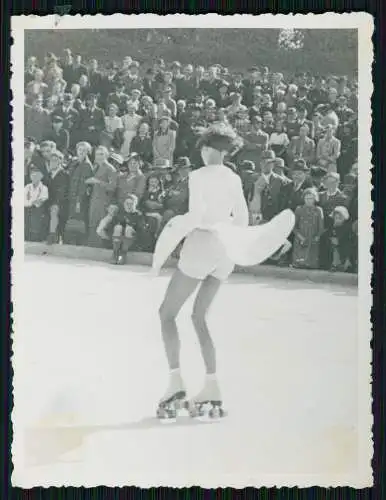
<point x="202" y="253"/>
<point x="130" y="126"/>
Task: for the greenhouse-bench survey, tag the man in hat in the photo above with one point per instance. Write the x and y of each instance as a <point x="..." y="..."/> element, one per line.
<point x="268" y="190"/>
<point x="35" y="199"/>
<point x="281" y="170"/>
<point x="58" y="191"/>
<point x="59" y="135"/>
<point x="91" y="121"/>
<point x="293" y="192"/>
<point x="177" y="195"/>
<point x="317" y="175"/>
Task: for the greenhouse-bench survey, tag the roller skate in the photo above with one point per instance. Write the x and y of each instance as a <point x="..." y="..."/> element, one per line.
<point x="207" y="405"/>
<point x="174" y="400"/>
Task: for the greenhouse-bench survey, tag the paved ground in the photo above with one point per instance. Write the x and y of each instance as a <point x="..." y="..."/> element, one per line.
<point x="90" y="369"/>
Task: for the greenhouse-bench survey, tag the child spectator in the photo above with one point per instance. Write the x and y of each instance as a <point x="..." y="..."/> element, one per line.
<point x="308" y="230"/>
<point x="339" y="238"/>
<point x="153" y="203"/>
<point x="126" y="225"/>
<point x="58" y="186"/>
<point x="35" y="199"/>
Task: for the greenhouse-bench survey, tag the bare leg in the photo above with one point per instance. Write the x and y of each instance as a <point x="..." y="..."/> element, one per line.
<point x="204" y="299"/>
<point x="179" y="290"/>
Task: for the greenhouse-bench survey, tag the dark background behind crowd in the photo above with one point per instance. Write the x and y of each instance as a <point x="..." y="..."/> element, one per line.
<point x="109" y="145"/>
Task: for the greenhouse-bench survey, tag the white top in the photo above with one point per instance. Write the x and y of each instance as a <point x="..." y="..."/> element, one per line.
<point x="279" y="139"/>
<point x="216" y="196"/>
<point x="35" y="195"/>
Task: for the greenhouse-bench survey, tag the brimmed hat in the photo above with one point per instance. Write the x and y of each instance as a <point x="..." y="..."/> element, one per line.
<point x="300" y="165"/>
<point x="342" y="211"/>
<point x="318" y="172"/>
<point x="132" y="156"/>
<point x="183" y="162"/>
<point x="268" y="155"/>
<point x="116" y="157"/>
<point x="57" y="119"/>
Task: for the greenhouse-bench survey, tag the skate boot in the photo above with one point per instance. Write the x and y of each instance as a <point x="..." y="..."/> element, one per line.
<point x="174" y="399"/>
<point x="207" y="405"/>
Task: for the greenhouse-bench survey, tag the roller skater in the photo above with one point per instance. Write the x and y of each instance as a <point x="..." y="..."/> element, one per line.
<point x="215" y="196"/>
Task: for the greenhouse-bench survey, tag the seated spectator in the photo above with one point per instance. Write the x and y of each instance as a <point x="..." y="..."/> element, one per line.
<point x="131" y="179"/>
<point x="84" y="87"/>
<point x="338" y="237"/>
<point x="131" y="121"/>
<point x="35" y="199"/>
<point x="268" y="123"/>
<point x="302" y="101"/>
<point x="317" y="174"/>
<point x="303" y="120"/>
<point x="36" y="88"/>
<point x="292" y="126"/>
<point x="177" y="196"/>
<point x="317" y="126"/>
<point x="76" y="101"/>
<point x="37" y="121"/>
<point x="164" y="141"/>
<point x="112" y="135"/>
<point x="328" y="150"/>
<point x="118" y="97"/>
<point x="59" y="135"/>
<point x="350" y="181"/>
<point x="134" y="99"/>
<point x="91" y="121"/>
<point x="278" y="140"/>
<point x="223" y="99"/>
<point x="142" y="144"/>
<point x="58" y="187"/>
<point x="235" y="105"/>
<point x="307" y="232"/>
<point x="127" y="224"/>
<point x="301" y="146"/>
<point x="148" y="111"/>
<point x="170" y="103"/>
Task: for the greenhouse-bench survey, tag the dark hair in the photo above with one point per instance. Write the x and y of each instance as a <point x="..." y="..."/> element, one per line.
<point x="219" y="137"/>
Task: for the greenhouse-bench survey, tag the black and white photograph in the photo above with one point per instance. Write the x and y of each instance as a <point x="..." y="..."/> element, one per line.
<point x="191" y="269"/>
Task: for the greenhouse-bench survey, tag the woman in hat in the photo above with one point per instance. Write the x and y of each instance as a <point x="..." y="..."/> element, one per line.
<point x="164" y="141"/>
<point x="203" y="262"/>
<point x="309" y="227"/>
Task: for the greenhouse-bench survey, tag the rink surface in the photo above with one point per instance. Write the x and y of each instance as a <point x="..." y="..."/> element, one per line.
<point x="90" y="369"/>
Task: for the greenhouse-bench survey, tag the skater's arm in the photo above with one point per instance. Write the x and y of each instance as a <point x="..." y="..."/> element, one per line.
<point x="240" y="208"/>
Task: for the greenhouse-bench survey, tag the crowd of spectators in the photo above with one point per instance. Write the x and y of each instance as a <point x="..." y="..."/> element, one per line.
<point x="108" y="152"/>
